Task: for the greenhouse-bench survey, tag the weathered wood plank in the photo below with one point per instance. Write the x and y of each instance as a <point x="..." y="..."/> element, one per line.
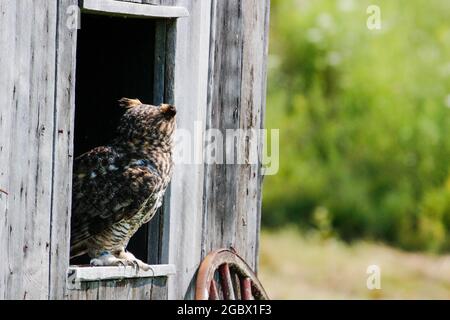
<point x="159" y="289"/>
<point x="115" y="273"/>
<point x="28" y="70"/>
<point x="7" y="111"/>
<point x="63" y="147"/>
<point x="236" y="101"/>
<point x="105" y="290"/>
<point x="160" y="62"/>
<point x="253" y="89"/>
<point x="156" y="227"/>
<point x="87" y="291"/>
<point x="170" y="43"/>
<point x="40" y="96"/>
<point x="190" y="68"/>
<point x="224" y="105"/>
<point x="140" y="289"/>
<point x="134" y="9"/>
<point x="262" y="125"/>
<point x="126" y="289"/>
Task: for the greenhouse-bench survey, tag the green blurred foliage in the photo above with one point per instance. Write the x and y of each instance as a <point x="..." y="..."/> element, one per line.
<point x="364" y="119"/>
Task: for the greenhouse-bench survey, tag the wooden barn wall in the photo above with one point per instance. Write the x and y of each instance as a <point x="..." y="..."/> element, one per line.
<point x="219" y="82"/>
<point x="63" y="150"/>
<point x="36" y="125"/>
<point x="129" y="289"/>
<point x="236" y="100"/>
<point x="27" y="91"/>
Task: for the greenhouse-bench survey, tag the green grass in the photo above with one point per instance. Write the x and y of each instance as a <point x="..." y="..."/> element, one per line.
<point x="295" y="266"/>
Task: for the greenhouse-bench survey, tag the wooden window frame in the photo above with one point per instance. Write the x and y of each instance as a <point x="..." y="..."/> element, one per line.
<point x="132" y="9"/>
<point x="163" y="91"/>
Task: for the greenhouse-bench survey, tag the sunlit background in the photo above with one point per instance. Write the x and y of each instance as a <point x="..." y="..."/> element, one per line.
<point x="364" y="179"/>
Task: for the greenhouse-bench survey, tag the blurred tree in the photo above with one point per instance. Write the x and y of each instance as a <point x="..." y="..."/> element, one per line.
<point x="364" y="118"/>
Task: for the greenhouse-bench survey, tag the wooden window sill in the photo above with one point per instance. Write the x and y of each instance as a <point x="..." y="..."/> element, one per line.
<point x="78" y="274"/>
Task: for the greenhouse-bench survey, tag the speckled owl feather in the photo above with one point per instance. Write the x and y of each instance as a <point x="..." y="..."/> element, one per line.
<point x="118" y="187"/>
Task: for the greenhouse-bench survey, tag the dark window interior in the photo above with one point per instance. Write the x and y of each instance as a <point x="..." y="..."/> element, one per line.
<point x="115" y="59"/>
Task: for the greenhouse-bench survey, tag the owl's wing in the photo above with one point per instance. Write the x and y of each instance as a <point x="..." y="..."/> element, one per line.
<point x="106" y="189"/>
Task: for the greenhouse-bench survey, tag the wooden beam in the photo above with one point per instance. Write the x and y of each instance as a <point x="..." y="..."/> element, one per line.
<point x="84" y="274"/>
<point x="236" y="100"/>
<point x="189" y="39"/>
<point x="134" y="9"/>
<point x="27" y="87"/>
<point x="64" y="115"/>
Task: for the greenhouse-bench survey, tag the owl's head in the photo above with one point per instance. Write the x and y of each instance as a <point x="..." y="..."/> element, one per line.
<point x="154" y="124"/>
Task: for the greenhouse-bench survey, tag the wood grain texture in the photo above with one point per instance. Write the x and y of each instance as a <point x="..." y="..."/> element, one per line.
<point x="27" y="90"/>
<point x="133" y="9"/>
<point x="253" y="99"/>
<point x="189" y="69"/>
<point x="63" y="151"/>
<point x="159" y="289"/>
<point x="214" y="72"/>
<point x="236" y="100"/>
<point x="127" y="289"/>
<point x="84" y="273"/>
<point x="266" y="35"/>
<point x="7" y="107"/>
<point x="157" y="227"/>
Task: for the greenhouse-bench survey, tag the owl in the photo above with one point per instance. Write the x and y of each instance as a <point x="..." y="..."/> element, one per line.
<point x="119" y="187"/>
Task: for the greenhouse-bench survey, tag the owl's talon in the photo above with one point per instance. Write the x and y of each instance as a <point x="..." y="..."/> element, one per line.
<point x="136" y="266"/>
<point x="128" y="256"/>
<point x="121" y="263"/>
<point x="123" y="259"/>
<point x="133" y="264"/>
<point x="96" y="262"/>
<point x="108" y="260"/>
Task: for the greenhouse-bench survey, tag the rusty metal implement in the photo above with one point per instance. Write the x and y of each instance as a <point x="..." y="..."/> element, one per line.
<point x="224" y="275"/>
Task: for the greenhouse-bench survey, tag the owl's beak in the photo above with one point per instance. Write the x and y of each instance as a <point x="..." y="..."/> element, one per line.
<point x="168" y="110"/>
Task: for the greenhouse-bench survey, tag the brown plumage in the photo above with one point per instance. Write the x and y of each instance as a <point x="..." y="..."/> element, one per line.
<point x="119" y="187"/>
